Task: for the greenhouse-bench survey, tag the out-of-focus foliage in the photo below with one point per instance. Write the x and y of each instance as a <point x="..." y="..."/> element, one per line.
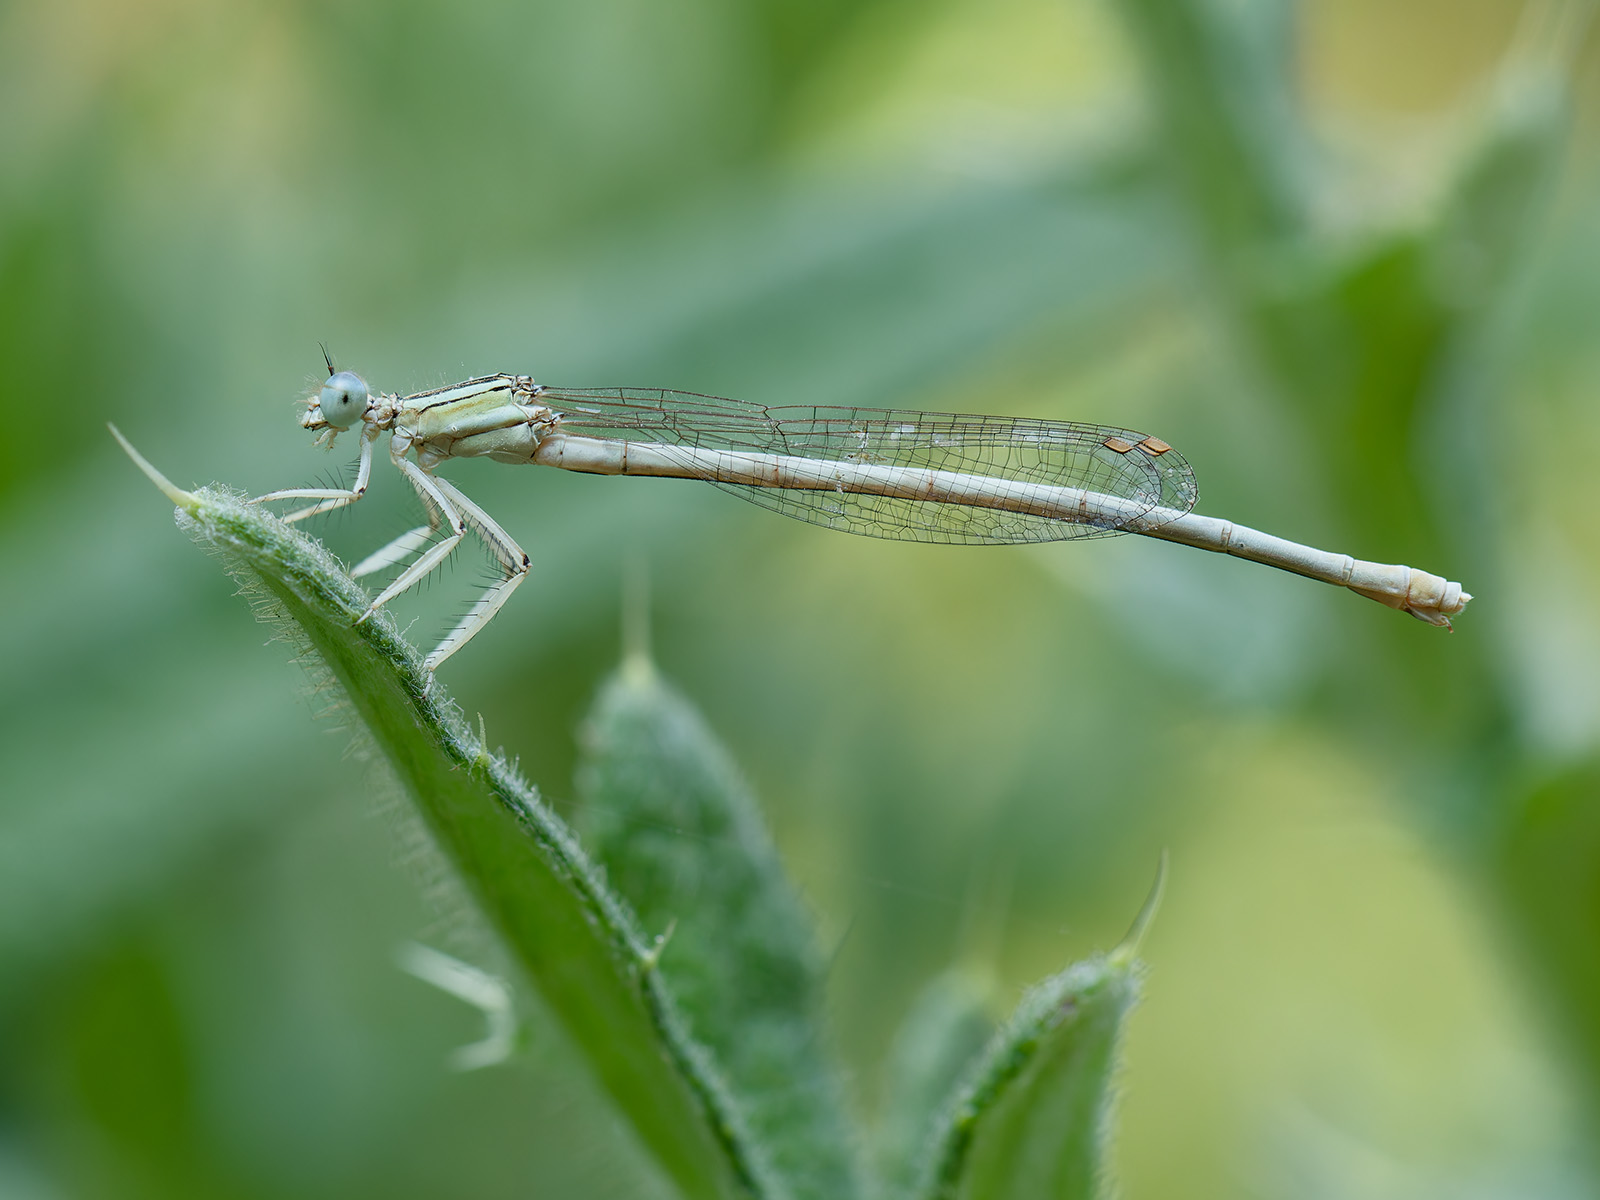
<point x="1334" y="252"/>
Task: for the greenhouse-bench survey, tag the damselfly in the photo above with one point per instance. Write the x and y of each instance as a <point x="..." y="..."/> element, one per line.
<point x="929" y="477"/>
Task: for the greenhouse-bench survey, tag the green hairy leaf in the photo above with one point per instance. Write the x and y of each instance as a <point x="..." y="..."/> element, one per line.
<point x="1034" y="1122"/>
<point x="578" y="942"/>
<point x="681" y="838"/>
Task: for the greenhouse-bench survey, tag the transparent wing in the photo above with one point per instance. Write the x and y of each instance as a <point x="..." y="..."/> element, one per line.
<point x="1142" y="471"/>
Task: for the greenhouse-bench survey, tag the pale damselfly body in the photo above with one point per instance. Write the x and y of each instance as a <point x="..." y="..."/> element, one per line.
<point x="929" y="477"/>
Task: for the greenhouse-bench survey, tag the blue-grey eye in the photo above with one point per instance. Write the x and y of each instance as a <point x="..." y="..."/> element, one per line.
<point x="343" y="399"/>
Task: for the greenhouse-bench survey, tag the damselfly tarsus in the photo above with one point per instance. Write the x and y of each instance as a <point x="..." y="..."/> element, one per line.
<point x="931" y="477"/>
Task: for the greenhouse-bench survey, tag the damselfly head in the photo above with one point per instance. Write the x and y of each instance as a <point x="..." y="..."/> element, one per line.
<point x="341" y="402"/>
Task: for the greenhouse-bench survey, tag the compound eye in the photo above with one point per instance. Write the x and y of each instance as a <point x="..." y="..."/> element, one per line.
<point x="343" y="399"/>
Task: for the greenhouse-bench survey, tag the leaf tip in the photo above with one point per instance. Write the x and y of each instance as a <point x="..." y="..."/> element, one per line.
<point x="638" y="666"/>
<point x="1126" y="949"/>
<point x="187" y="501"/>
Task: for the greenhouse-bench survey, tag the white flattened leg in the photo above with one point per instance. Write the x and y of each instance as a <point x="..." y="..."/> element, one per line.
<point x="513" y="561"/>
<point x="479" y="615"/>
<point x="440" y="510"/>
<point x="330" y="498"/>
<point x="397" y="551"/>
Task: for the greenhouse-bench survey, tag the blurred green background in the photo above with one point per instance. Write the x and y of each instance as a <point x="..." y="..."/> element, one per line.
<point x="1345" y="254"/>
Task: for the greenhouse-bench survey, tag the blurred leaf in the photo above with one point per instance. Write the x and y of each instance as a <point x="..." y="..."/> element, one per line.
<point x="578" y="942"/>
<point x="682" y="839"/>
<point x="779" y="287"/>
<point x="1221" y="104"/>
<point x="146" y="1104"/>
<point x="937" y="1044"/>
<point x="1035" y="1122"/>
<point x="1549" y="863"/>
<point x="1505" y="184"/>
